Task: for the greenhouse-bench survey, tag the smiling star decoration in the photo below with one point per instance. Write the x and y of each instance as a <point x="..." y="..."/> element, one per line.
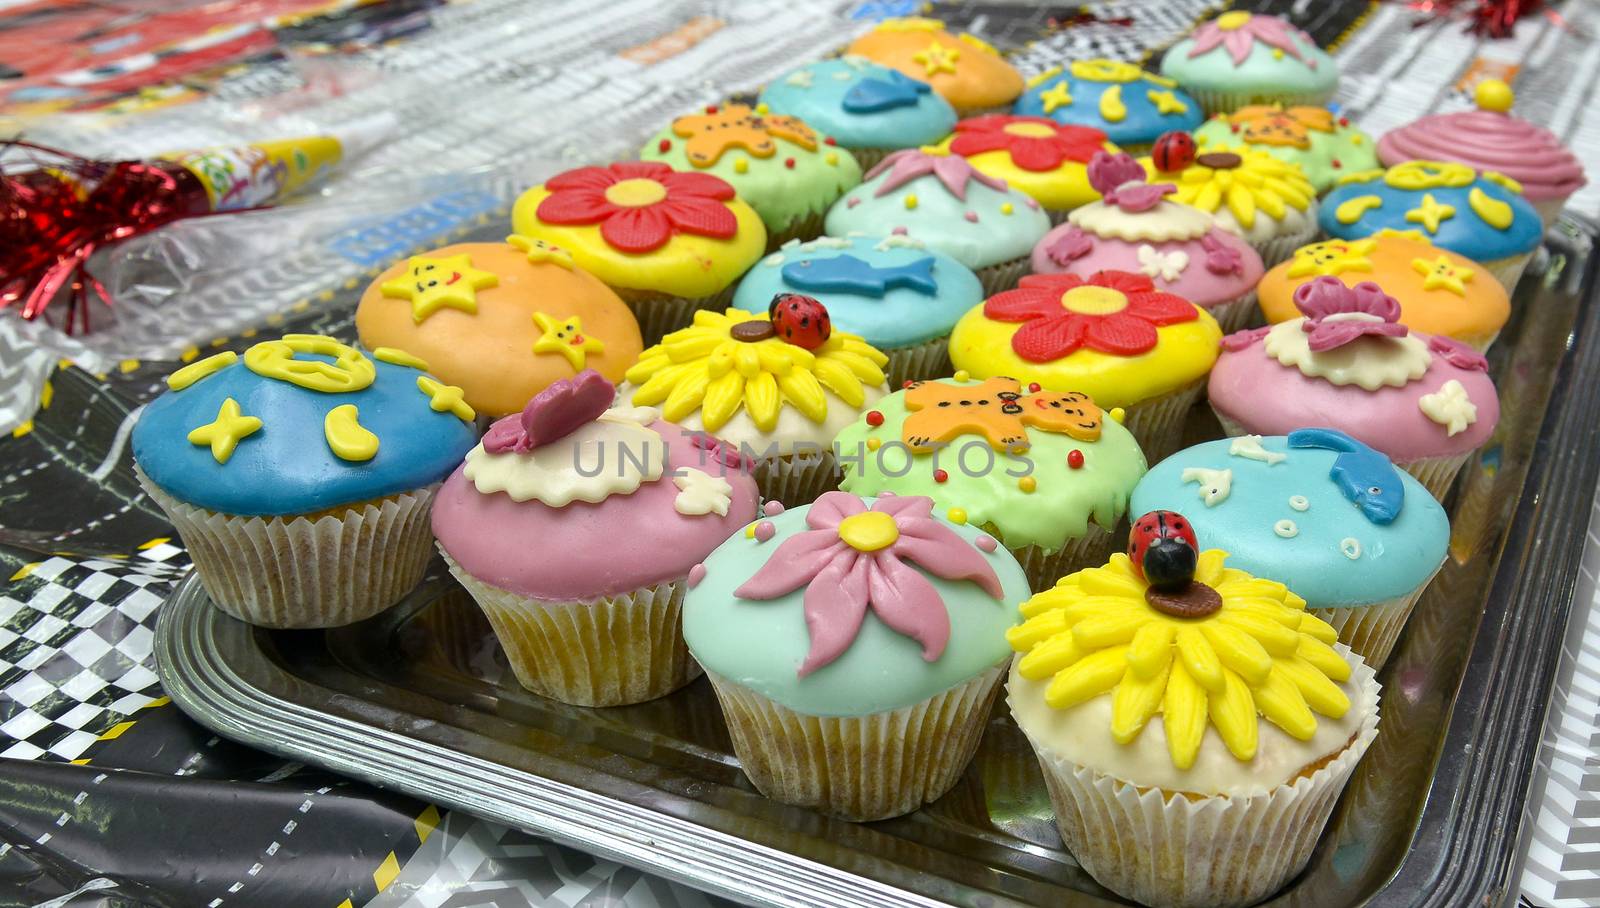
<point x="432" y="284"/>
<point x="566" y="338"/>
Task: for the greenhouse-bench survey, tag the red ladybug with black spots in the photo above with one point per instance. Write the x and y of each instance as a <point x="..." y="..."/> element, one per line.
<point x="1164" y="550"/>
<point x="1173" y="151"/>
<point x="800" y="320"/>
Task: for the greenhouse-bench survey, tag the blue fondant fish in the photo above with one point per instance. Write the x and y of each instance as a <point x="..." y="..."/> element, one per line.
<point x="848" y="274"/>
<point x="894" y="90"/>
<point x="1365" y="476"/>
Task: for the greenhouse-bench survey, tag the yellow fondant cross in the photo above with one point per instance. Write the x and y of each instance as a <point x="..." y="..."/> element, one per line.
<point x="442" y="397"/>
<point x="1430" y="213"/>
<point x="1441" y="272"/>
<point x="937" y="58"/>
<point x="566" y="338"/>
<point x="432" y="284"/>
<point x="1055" y="96"/>
<point x="1166" y="102"/>
<point x="223" y="433"/>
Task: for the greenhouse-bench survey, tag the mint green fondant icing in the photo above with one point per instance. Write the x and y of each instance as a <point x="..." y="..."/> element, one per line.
<point x="1004" y="224"/>
<point x="1331" y="155"/>
<point x="1264" y="74"/>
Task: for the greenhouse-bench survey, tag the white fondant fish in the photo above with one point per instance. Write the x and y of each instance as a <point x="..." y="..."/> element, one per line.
<point x="1249" y="446"/>
<point x="1214" y="484"/>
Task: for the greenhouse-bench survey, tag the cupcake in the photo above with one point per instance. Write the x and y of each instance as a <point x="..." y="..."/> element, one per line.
<point x="1439" y="292"/>
<point x="1491" y="139"/>
<point x="856" y="647"/>
<point x="869" y="109"/>
<point x="776" y="385"/>
<point x="1268" y="202"/>
<point x="943" y="201"/>
<point x="1180" y="248"/>
<point x="320" y="526"/>
<point x="1426" y="402"/>
<point x="1132" y="107"/>
<point x="500" y="320"/>
<point x="1481" y="216"/>
<point x="964" y="68"/>
<point x="778" y="165"/>
<point x="895" y="293"/>
<point x="1043" y="158"/>
<point x="1356" y="538"/>
<point x="1242" y="58"/>
<point x="533" y="523"/>
<point x="1323" y="145"/>
<point x="1111" y="335"/>
<point x="1046" y="473"/>
<point x="1269" y="718"/>
<point x="667" y="241"/>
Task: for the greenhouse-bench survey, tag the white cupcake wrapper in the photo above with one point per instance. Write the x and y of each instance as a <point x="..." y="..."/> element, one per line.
<point x="1281" y="248"/>
<point x="1045" y="568"/>
<point x="797" y="479"/>
<point x="1157" y="423"/>
<point x="611" y="651"/>
<point x="862" y="768"/>
<point x="1372" y="630"/>
<point x="1004" y="276"/>
<point x="660" y="314"/>
<point x="1191" y="851"/>
<point x="919" y="362"/>
<point x="1236" y="314"/>
<point x="294" y="572"/>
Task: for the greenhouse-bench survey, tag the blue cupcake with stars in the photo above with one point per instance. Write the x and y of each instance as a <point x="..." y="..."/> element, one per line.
<point x="1131" y="106"/>
<point x="893" y="291"/>
<point x="869" y="109"/>
<point x="1318" y="511"/>
<point x="1482" y="216"/>
<point x="300" y="476"/>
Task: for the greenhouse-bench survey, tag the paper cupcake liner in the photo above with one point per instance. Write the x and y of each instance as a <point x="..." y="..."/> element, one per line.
<point x="294" y="572"/>
<point x="1003" y="276"/>
<point x="1188" y="851"/>
<point x="1371" y="630"/>
<point x="1281" y="248"/>
<point x="1157" y="423"/>
<point x="1437" y="474"/>
<point x="1236" y="314"/>
<point x="919" y="362"/>
<point x="860" y="768"/>
<point x="1508" y="270"/>
<point x="805" y="227"/>
<point x="1219" y="102"/>
<point x="660" y="314"/>
<point x="1550" y="209"/>
<point x="797" y="479"/>
<point x="868" y="158"/>
<point x="1045" y="568"/>
<point x="610" y="651"/>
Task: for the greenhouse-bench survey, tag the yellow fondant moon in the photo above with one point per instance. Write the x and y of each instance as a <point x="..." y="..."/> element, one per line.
<point x="1495" y="213"/>
<point x="195" y="371"/>
<point x="1112" y="110"/>
<point x="1351" y="211"/>
<point x="347" y="437"/>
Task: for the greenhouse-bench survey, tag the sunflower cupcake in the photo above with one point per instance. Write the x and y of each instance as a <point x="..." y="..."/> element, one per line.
<point x="964" y="68"/>
<point x="1194" y="723"/>
<point x="1323" y="145"/>
<point x="775" y="385"/>
<point x="1268" y="202"/>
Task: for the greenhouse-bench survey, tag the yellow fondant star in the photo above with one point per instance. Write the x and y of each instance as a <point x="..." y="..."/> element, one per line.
<point x="431" y="284"/>
<point x="1430" y="213"/>
<point x="1333" y="257"/>
<point x="539" y="251"/>
<point x="442" y="397"/>
<point x="937" y="58"/>
<point x="566" y="338"/>
<point x="1442" y="273"/>
<point x="1055" y="96"/>
<point x="223" y="433"/>
<point x="1166" y="102"/>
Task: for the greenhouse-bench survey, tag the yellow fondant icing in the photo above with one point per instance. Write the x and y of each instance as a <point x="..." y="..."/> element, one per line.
<point x="224" y="433"/>
<point x="567" y="339"/>
<point x="432" y="284"/>
<point x="443" y="397"/>
<point x="347" y="437"/>
<point x="1430" y="212"/>
<point x="1493" y="95"/>
<point x="1333" y="257"/>
<point x="1495" y="213"/>
<point x="1261" y="182"/>
<point x="1105" y="71"/>
<point x="868" y="532"/>
<point x="1166" y="102"/>
<point x="1441" y="273"/>
<point x="1057" y="95"/>
<point x="1112" y="110"/>
<point x="1351" y="210"/>
<point x="937" y="58"/>
<point x="1500" y="179"/>
<point x="396" y="357"/>
<point x="199" y="369"/>
<point x="539" y="252"/>
<point x="349" y="371"/>
<point x="1416" y="175"/>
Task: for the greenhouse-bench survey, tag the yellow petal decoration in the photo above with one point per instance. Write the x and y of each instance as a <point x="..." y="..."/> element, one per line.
<point x="1112" y="110"/>
<point x="223" y="434"/>
<point x="199" y="369"/>
<point x="1495" y="213"/>
<point x="347" y="437"/>
<point x="1260" y="656"/>
<point x="704" y="367"/>
<point x="1261" y="183"/>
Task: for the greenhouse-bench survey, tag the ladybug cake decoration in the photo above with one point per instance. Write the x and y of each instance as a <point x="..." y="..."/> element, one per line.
<point x="1173" y="151"/>
<point x="800" y="320"/>
<point x="1165" y="552"/>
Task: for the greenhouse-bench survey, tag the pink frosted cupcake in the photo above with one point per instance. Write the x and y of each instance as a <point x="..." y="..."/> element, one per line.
<point x="1180" y="248"/>
<point x="1347" y="363"/>
<point x="534" y="522"/>
<point x="1491" y="140"/>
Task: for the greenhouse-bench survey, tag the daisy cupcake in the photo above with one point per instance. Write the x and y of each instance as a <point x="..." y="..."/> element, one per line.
<point x="1242" y="58"/>
<point x="667" y="241"/>
<point x="1043" y="158"/>
<point x="1426" y="402"/>
<point x="787" y="171"/>
<point x="964" y="68"/>
<point x="1131" y="106"/>
<point x="869" y="109"/>
<point x="1181" y="249"/>
<point x="1323" y="145"/>
<point x="776" y="385"/>
<point x="1268" y="202"/>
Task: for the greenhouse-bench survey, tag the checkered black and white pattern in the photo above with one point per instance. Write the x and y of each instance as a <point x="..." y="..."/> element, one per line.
<point x="1118" y="31"/>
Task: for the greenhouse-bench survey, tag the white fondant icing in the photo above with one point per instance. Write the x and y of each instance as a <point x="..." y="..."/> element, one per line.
<point x="899" y="241"/>
<point x="1168" y="267"/>
<point x="773" y="260"/>
<point x="1167" y="222"/>
<point x="1214" y="484"/>
<point x="1249" y="447"/>
<point x="1351" y="547"/>
<point x="1299" y="502"/>
<point x="618" y="453"/>
<point x="1286" y="528"/>
<point x="701" y="493"/>
<point x="1450" y="406"/>
<point x="800" y="78"/>
<point x="1370" y="362"/>
<point x="826" y="242"/>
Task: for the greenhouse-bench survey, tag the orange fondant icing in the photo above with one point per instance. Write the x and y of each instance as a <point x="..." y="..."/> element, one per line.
<point x="708" y="135"/>
<point x="968" y="74"/>
<point x="996" y="409"/>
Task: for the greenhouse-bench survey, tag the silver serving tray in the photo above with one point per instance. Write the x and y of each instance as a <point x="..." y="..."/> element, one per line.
<point x="419" y="699"/>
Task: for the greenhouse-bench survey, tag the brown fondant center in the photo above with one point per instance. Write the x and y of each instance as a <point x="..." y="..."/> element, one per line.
<point x="1219" y="160"/>
<point x="752" y="331"/>
<point x="1193" y="601"/>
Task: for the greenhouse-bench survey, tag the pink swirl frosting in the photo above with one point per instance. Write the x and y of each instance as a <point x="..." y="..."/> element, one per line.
<point x="1485" y="140"/>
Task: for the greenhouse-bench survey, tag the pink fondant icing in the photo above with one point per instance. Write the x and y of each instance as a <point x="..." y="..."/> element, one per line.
<point x="584" y="551"/>
<point x="1199" y="284"/>
<point x="1485" y="140"/>
<point x="1269" y="398"/>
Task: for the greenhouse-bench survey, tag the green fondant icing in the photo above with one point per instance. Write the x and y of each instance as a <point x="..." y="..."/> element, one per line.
<point x="1350" y="147"/>
<point x="1262" y="73"/>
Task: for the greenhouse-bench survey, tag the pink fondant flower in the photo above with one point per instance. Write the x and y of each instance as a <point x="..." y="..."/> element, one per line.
<point x="1457" y="354"/>
<point x="842" y="578"/>
<point x="554" y="413"/>
<point x="1121" y="180"/>
<point x="1241" y="37"/>
<point x="951" y="170"/>
<point x="1336" y="314"/>
<point x="1074" y="243"/>
<point x="719" y="451"/>
<point x="1220" y="257"/>
<point x="687" y="202"/>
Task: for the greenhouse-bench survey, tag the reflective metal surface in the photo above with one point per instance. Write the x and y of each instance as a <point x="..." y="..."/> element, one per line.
<point x="419" y="699"/>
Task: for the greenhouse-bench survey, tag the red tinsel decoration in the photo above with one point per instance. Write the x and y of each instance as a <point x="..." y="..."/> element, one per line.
<point x="57" y="208"/>
<point x="1486" y="18"/>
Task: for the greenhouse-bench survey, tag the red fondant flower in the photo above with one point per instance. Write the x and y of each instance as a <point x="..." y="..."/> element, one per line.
<point x="639" y="205"/>
<point x="1035" y="143"/>
<point x="1111" y="311"/>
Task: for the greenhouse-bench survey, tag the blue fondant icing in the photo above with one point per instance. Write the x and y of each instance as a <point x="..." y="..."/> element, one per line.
<point x="848" y="274"/>
<point x="1464" y="232"/>
<point x="1143" y="123"/>
<point x="899" y="316"/>
<point x="1365" y="477"/>
<point x="817" y="93"/>
<point x="1390" y="560"/>
<point x="286" y="466"/>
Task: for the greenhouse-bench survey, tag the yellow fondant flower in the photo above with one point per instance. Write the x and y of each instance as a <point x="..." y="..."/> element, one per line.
<point x="730" y="359"/>
<point x="1259" y="653"/>
<point x="1244" y="180"/>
